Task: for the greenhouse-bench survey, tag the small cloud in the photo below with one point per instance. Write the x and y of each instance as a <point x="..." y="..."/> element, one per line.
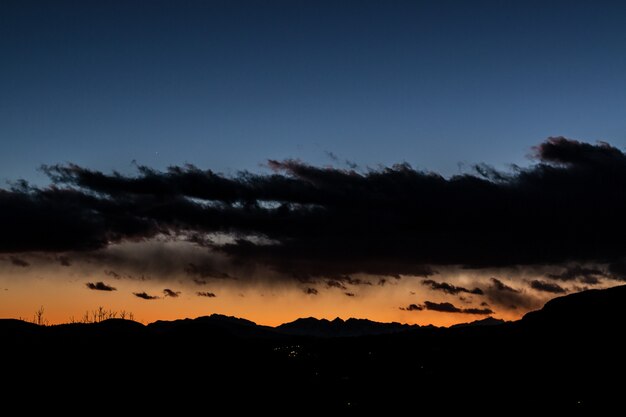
<point x="449" y="288"/>
<point x="412" y="307"/>
<point x="501" y="286"/>
<point x="344" y="279"/>
<point x="350" y="164"/>
<point x="590" y="280"/>
<point x="442" y="307"/>
<point x="501" y="294"/>
<point x="310" y="291"/>
<point x="349" y="294"/>
<point x="484" y="311"/>
<point x="331" y="283"/>
<point x="145" y="296"/>
<point x="357" y="281"/>
<point x="100" y="286"/>
<point x="451" y="308"/>
<point x="171" y="293"/>
<point x="18" y="261"/>
<point x="545" y="286"/>
<point x="206" y="294"/>
<point x="332" y="155"/>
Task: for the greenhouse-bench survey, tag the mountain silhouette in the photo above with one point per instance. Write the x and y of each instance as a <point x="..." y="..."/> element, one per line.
<point x="489" y="321"/>
<point x="591" y="308"/>
<point x="215" y="324"/>
<point x="567" y="357"/>
<point x="340" y="328"/>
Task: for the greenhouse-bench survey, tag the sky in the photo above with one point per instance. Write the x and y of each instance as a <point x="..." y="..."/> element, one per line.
<point x="299" y="158"/>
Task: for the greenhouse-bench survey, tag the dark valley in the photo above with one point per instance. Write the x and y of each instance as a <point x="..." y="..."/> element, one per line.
<point x="565" y="357"/>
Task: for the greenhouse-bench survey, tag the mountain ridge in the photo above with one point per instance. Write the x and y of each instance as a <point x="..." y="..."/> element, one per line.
<point x="584" y="307"/>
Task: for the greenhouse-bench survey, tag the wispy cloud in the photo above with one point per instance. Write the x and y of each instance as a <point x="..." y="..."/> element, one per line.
<point x="451" y="308"/>
<point x="100" y="286"/>
<point x="412" y="307"/>
<point x="449" y="288"/>
<point x="171" y="293"/>
<point x="145" y="296"/>
<point x="205" y="294"/>
<point x="18" y="261"/>
<point x="545" y="286"/>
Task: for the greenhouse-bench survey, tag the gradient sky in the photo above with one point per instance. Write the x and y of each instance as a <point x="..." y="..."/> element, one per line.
<point x="227" y="85"/>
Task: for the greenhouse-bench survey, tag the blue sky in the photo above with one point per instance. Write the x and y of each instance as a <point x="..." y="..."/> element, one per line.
<point x="228" y="84"/>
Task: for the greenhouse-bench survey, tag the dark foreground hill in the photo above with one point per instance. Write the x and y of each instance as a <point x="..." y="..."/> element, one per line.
<point x="567" y="357"/>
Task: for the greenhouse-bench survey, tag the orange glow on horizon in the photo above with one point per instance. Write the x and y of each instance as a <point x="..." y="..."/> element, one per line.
<point x="64" y="299"/>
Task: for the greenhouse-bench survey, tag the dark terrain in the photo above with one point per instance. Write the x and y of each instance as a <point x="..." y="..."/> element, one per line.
<point x="567" y="357"/>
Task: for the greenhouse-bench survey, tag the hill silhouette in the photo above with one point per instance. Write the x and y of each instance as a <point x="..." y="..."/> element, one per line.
<point x="340" y="328"/>
<point x="565" y="358"/>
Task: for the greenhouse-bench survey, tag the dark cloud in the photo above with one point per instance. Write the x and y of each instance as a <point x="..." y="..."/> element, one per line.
<point x="18" y="261"/>
<point x="357" y="281"/>
<point x="145" y="296"/>
<point x="506" y="296"/>
<point x="412" y="307"/>
<point x="502" y="287"/>
<point x="331" y="283"/>
<point x="451" y="308"/>
<point x="310" y="291"/>
<point x="58" y="219"/>
<point x="100" y="286"/>
<point x="349" y="294"/>
<point x="545" y="286"/>
<point x="170" y="293"/>
<point x="339" y="281"/>
<point x="484" y="311"/>
<point x="450" y="289"/>
<point x="566" y="208"/>
<point x="205" y="294"/>
<point x="590" y="280"/>
<point x="585" y="275"/>
<point x="443" y="307"/>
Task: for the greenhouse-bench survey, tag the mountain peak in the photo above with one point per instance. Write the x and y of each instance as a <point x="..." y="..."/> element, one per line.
<point x="489" y="321"/>
<point x="340" y="328"/>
